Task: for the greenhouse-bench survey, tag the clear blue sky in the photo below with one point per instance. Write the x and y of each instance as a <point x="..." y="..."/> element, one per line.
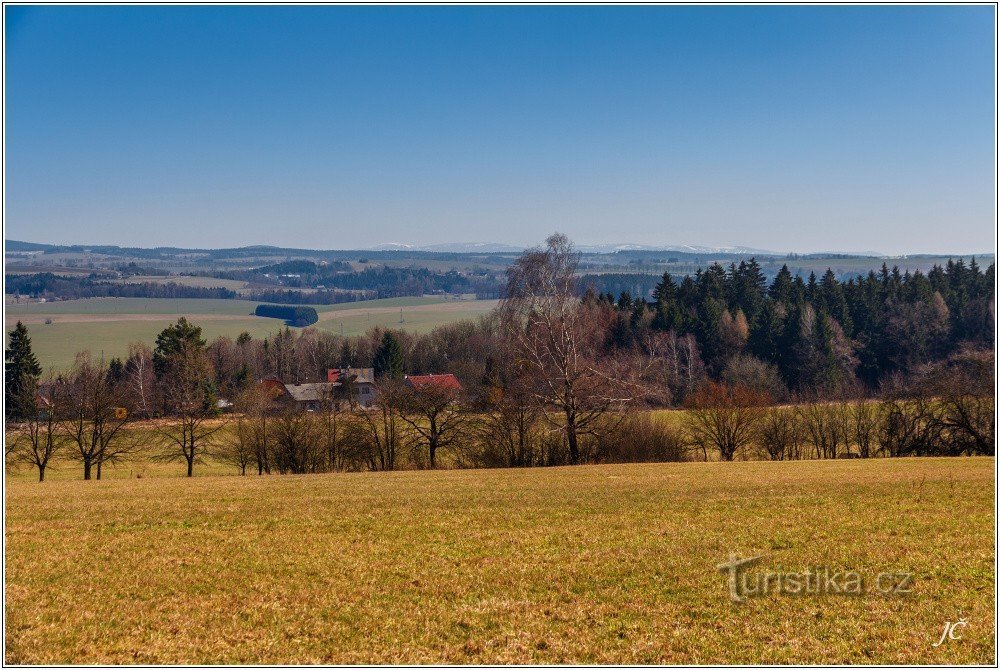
<point x="794" y="129"/>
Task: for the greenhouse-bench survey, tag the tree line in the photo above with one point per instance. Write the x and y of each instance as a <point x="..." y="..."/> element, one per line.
<point x="550" y="378"/>
<point x="49" y="286"/>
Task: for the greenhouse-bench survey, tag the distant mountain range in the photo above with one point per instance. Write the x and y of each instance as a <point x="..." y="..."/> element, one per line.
<point x="495" y="248"/>
<point x="462" y="248"/>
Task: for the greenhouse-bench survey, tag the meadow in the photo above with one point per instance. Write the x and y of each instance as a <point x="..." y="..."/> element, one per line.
<point x="60" y="329"/>
<point x="586" y="564"/>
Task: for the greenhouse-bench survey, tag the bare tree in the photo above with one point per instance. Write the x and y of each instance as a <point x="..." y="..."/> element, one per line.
<point x="678" y="363"/>
<point x="827" y="427"/>
<point x="332" y="423"/>
<point x="36" y="438"/>
<point x="864" y="425"/>
<point x="433" y="413"/>
<point x="554" y="336"/>
<point x="186" y="390"/>
<point x="378" y="433"/>
<point x="254" y="408"/>
<point x="296" y="442"/>
<point x="140" y="379"/>
<point x="93" y="414"/>
<point x="508" y="421"/>
<point x="780" y="434"/>
<point x="964" y="388"/>
<point x="725" y="418"/>
<point x="239" y="447"/>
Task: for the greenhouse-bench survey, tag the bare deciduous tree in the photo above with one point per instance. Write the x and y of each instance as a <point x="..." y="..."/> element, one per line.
<point x="725" y="418"/>
<point x="553" y="335"/>
<point x="434" y="415"/>
<point x="827" y="427"/>
<point x="377" y="434"/>
<point x="239" y="447"/>
<point x="864" y="427"/>
<point x="93" y="413"/>
<point x="140" y="378"/>
<point x="297" y="441"/>
<point x="780" y="434"/>
<point x="254" y="408"/>
<point x="186" y="390"/>
<point x="36" y="438"/>
<point x="508" y="422"/>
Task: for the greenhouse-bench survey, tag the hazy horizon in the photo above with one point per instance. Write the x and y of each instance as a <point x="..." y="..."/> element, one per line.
<point x="789" y="129"/>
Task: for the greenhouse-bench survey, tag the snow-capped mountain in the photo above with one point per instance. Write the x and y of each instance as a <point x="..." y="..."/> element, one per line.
<point x="494" y="247"/>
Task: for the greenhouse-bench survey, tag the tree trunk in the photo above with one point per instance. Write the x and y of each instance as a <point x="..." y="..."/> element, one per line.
<point x="100" y="462"/>
<point x="432" y="449"/>
<point x="574" y="449"/>
<point x="190" y="456"/>
<point x="41" y="473"/>
<point x="86" y="468"/>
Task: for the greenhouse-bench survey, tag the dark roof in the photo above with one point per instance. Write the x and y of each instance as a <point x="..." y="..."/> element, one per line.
<point x="312" y="392"/>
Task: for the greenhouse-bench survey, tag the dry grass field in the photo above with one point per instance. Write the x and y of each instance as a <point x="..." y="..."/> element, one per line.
<point x="591" y="564"/>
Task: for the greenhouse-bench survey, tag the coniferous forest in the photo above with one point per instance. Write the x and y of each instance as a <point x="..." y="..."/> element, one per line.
<point x="820" y="334"/>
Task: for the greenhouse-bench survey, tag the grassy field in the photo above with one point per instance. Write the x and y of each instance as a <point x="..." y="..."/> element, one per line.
<point x="109" y="324"/>
<point x="592" y="564"/>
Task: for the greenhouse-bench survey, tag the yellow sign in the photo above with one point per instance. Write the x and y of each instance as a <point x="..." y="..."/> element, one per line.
<point x="121" y="413"/>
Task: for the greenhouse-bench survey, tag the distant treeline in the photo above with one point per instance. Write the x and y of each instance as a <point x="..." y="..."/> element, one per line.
<point x="380" y="282"/>
<point x="320" y="297"/>
<point x="293" y="316"/>
<point x="48" y="285"/>
<point x="51" y="286"/>
<point x="616" y="283"/>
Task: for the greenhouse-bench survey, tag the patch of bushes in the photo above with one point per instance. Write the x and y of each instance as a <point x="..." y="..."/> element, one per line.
<point x="639" y="438"/>
<point x="299" y="316"/>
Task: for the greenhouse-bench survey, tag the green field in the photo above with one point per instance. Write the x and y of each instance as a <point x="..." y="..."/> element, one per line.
<point x="108" y="325"/>
<point x="592" y="564"/>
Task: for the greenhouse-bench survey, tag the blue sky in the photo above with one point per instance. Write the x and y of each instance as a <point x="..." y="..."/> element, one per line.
<point x="787" y="128"/>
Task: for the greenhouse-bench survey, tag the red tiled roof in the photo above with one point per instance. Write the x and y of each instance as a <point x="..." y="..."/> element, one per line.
<point x="448" y="381"/>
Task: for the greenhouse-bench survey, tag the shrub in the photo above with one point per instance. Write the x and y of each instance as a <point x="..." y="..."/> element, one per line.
<point x="640" y="438"/>
<point x="293" y="315"/>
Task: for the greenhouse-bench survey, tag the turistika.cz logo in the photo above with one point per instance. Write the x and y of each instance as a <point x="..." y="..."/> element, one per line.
<point x="819" y="580"/>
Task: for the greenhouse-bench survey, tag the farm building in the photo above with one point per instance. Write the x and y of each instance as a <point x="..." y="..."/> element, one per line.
<point x="310" y="396"/>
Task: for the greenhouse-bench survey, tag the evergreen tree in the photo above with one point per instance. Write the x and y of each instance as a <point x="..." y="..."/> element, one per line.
<point x="388" y="362"/>
<point x="116" y="371"/>
<point x="21" y="369"/>
<point x="781" y="288"/>
<point x="668" y="312"/>
<point x="171" y="341"/>
<point x="832" y="301"/>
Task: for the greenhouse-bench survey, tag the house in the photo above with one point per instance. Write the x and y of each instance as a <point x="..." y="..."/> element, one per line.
<point x="311" y="396"/>
<point x="447" y="382"/>
<point x="361" y="379"/>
